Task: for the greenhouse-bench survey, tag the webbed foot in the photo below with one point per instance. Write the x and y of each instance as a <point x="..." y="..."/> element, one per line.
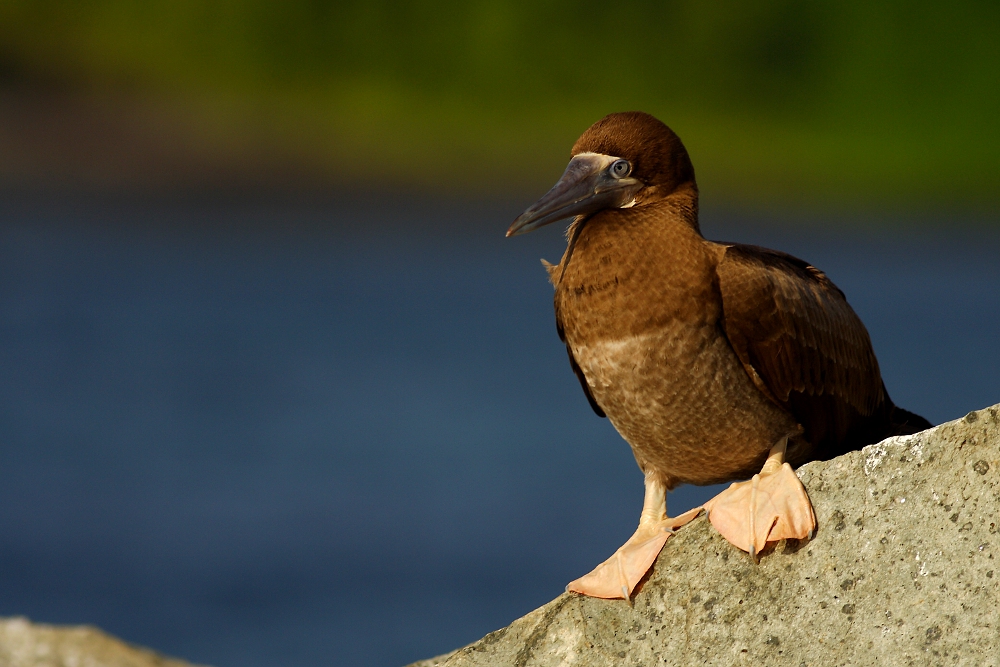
<point x="771" y="506"/>
<point x="618" y="576"/>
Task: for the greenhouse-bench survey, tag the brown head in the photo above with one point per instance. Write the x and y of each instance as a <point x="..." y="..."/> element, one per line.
<point x="623" y="160"/>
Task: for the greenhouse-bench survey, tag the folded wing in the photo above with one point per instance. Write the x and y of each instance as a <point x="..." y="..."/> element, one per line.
<point x="804" y="347"/>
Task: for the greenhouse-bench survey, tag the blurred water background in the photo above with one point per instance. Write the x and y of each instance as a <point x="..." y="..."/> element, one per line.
<point x="258" y="436"/>
<point x="275" y="390"/>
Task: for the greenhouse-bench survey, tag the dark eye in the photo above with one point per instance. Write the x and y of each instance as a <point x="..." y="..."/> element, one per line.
<point x="620" y="168"/>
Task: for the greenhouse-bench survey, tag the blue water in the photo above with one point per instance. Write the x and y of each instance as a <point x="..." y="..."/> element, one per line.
<point x="313" y="435"/>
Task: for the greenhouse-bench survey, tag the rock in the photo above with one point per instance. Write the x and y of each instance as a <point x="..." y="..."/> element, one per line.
<point x="25" y="644"/>
<point x="904" y="570"/>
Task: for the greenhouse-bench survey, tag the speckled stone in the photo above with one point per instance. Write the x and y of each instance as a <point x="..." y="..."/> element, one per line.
<point x="904" y="570"/>
<point x="26" y="644"/>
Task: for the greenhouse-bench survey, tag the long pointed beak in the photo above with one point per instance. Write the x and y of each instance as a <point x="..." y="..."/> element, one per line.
<point x="585" y="187"/>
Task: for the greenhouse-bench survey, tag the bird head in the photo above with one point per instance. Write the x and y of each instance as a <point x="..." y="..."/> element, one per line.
<point x="623" y="160"/>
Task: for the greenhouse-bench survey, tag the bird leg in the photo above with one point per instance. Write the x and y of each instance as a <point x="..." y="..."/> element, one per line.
<point x="618" y="576"/>
<point x="771" y="506"/>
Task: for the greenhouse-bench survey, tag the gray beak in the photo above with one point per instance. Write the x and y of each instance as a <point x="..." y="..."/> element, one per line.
<point x="587" y="186"/>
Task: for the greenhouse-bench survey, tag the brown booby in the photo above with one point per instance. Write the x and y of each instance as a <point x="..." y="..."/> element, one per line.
<point x="714" y="361"/>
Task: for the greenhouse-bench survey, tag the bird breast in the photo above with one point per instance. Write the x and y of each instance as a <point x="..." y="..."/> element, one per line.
<point x="681" y="399"/>
<point x="647" y="337"/>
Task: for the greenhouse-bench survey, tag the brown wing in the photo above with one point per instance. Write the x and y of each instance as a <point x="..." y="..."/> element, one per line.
<point x="804" y="347"/>
<point x="552" y="269"/>
<point x="576" y="367"/>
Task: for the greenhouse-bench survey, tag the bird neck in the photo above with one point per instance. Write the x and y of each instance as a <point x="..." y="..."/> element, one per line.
<point x="680" y="201"/>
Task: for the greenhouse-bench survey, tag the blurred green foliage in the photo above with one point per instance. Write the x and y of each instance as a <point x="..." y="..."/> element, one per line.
<point x="848" y="101"/>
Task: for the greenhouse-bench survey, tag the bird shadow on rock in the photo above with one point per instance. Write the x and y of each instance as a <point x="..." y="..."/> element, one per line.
<point x="792" y="546"/>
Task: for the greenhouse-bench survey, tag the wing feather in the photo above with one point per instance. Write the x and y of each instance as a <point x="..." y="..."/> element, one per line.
<point x="576" y="367"/>
<point x="803" y="345"/>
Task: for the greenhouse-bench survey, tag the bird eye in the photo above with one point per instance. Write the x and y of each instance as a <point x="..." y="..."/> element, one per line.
<point x="620" y="168"/>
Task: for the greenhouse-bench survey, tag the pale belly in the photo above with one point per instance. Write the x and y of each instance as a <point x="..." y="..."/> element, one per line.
<point x="684" y="403"/>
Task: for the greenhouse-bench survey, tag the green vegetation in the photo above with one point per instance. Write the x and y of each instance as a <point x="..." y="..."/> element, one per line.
<point x="850" y="101"/>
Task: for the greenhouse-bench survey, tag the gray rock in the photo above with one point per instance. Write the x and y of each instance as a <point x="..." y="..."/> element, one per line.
<point x="25" y="644"/>
<point x="904" y="570"/>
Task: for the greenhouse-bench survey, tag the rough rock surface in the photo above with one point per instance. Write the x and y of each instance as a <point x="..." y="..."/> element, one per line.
<point x="25" y="644"/>
<point x="904" y="570"/>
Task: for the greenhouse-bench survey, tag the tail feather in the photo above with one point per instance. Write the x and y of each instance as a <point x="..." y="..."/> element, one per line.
<point x="905" y="422"/>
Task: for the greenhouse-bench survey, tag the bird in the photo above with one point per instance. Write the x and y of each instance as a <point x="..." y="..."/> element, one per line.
<point x="716" y="362"/>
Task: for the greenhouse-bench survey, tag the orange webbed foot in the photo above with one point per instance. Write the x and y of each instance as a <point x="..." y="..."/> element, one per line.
<point x="769" y="507"/>
<point x="618" y="576"/>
